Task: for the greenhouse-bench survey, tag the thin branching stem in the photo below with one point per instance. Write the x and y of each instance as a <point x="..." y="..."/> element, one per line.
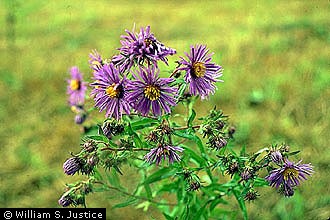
<point x="135" y="196"/>
<point x="186" y="127"/>
<point x="125" y="148"/>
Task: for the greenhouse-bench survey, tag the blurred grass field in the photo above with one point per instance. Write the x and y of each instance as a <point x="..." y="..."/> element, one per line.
<point x="276" y="60"/>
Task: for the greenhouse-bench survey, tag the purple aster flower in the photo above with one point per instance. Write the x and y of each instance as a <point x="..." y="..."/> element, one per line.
<point x="141" y="47"/>
<point x="96" y="61"/>
<point x="201" y="74"/>
<point x="151" y="92"/>
<point x="76" y="87"/>
<point x="289" y="175"/>
<point x="72" y="165"/>
<point x="161" y="152"/>
<point x="109" y="92"/>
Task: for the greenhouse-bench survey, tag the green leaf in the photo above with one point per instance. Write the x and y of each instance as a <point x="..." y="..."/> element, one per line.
<point x="192" y="137"/>
<point x="200" y="212"/>
<point x="137" y="141"/>
<point x="148" y="190"/>
<point x="192" y="155"/>
<point x="130" y="201"/>
<point x="241" y="203"/>
<point x="293" y="153"/>
<point x="113" y="178"/>
<point x="98" y="138"/>
<point x="217" y="201"/>
<point x="186" y="212"/>
<point x="97" y="175"/>
<point x="163" y="173"/>
<point x="260" y="182"/>
<point x="191" y="118"/>
<point x="143" y="123"/>
<point x="168" y="217"/>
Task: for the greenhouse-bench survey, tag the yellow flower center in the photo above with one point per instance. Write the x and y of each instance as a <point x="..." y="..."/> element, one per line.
<point x="290" y="173"/>
<point x="147" y="41"/>
<point x="75" y="84"/>
<point x="198" y="69"/>
<point x="152" y="92"/>
<point x="112" y="91"/>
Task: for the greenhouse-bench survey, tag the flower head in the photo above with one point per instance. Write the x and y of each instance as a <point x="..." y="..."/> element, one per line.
<point x="76" y="88"/>
<point x="201" y="74"/>
<point x="161" y="152"/>
<point x="151" y="92"/>
<point x="109" y="92"/>
<point x="140" y="48"/>
<point x="72" y="165"/>
<point x="289" y="176"/>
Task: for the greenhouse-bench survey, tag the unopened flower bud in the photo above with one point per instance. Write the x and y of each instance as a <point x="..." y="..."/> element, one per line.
<point x="276" y="157"/>
<point x="233" y="168"/>
<point x="193" y="186"/>
<point x="251" y="195"/>
<point x="217" y="142"/>
<point x="72" y="165"/>
<point x="246" y="174"/>
<point x="89" y="146"/>
<point x="93" y="160"/>
<point x="65" y="201"/>
<point x="80" y="118"/>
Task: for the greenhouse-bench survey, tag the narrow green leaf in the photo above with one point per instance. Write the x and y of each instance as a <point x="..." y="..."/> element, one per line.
<point x="191" y="118"/>
<point x="130" y="201"/>
<point x="97" y="175"/>
<point x="98" y="138"/>
<point x="260" y="182"/>
<point x="168" y="217"/>
<point x="216" y="202"/>
<point x="193" y="156"/>
<point x="293" y="153"/>
<point x="160" y="174"/>
<point x="192" y="137"/>
<point x="200" y="212"/>
<point x="148" y="190"/>
<point x="241" y="203"/>
<point x="186" y="212"/>
<point x="143" y="123"/>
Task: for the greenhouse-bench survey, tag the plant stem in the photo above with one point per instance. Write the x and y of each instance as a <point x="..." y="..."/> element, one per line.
<point x="186" y="127"/>
<point x="124" y="148"/>
<point x="135" y="196"/>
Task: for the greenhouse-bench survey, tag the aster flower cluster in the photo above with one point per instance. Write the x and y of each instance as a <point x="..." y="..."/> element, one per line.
<point x="289" y="174"/>
<point x="140" y="127"/>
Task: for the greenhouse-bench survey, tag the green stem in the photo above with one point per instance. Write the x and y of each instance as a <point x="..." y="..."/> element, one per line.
<point x="124" y="148"/>
<point x="135" y="196"/>
<point x="186" y="127"/>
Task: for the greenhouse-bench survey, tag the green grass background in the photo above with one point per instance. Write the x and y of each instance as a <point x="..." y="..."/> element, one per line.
<point x="275" y="56"/>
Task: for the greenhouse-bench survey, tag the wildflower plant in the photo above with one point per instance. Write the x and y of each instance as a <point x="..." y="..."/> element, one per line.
<point x="194" y="160"/>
